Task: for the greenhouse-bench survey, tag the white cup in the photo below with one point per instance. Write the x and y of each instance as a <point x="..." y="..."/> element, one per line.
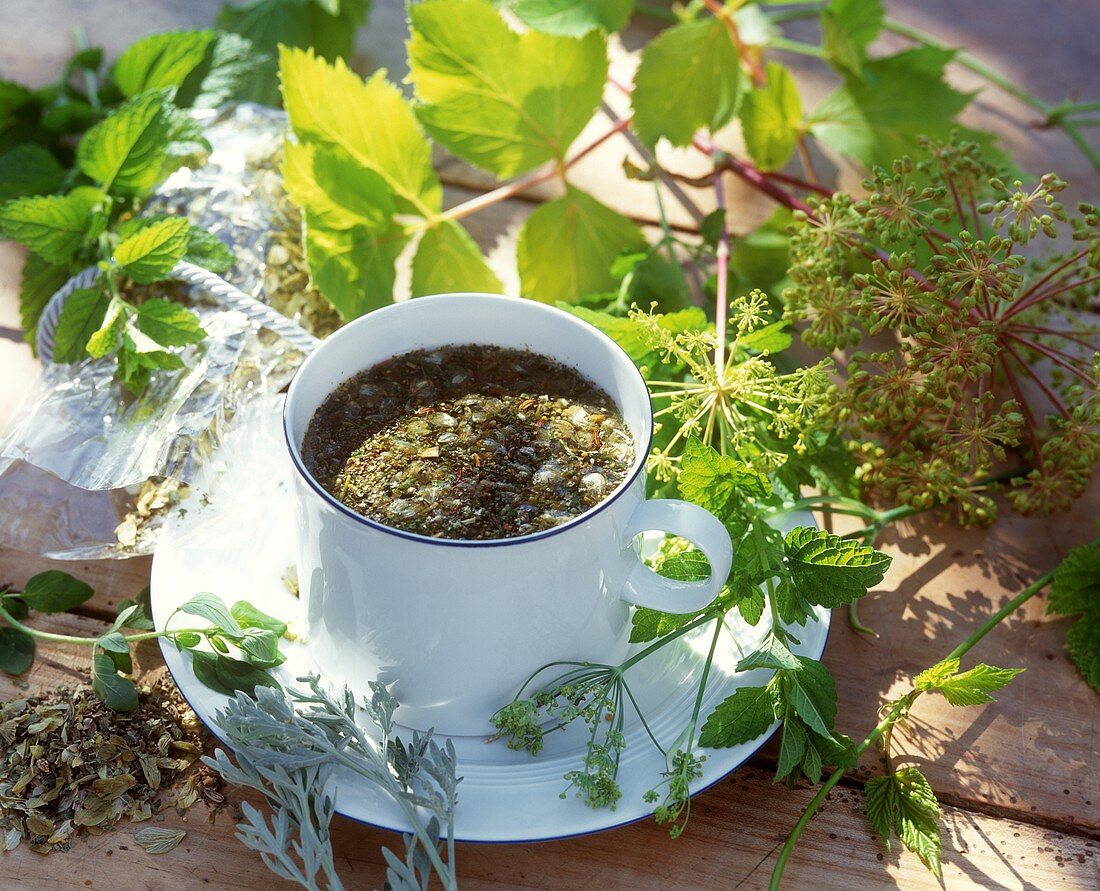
<point x="457" y="626"/>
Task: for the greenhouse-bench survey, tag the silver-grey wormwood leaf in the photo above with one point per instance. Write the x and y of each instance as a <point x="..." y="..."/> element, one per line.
<point x="288" y="745"/>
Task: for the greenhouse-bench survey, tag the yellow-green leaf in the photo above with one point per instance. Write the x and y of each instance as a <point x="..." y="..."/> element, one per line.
<point x="448" y="259"/>
<point x="771" y="119"/>
<point x="150" y="253"/>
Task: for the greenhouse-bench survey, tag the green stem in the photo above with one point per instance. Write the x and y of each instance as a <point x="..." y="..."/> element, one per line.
<point x="796" y="46"/>
<point x="899" y="708"/>
<point x="668" y="638"/>
<point x="91" y="88"/>
<point x="89" y="641"/>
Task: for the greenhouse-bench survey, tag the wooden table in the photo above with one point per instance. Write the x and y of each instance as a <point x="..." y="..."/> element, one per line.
<point x="1018" y="778"/>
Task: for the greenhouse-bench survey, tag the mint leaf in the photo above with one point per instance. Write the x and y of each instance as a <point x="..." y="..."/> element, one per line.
<point x="150" y="254"/>
<point x="648" y="624"/>
<point x="39" y="281"/>
<point x="771" y="119"/>
<point x="688" y="79"/>
<point x="168" y="323"/>
<point x="567" y="245"/>
<point x="109" y="336"/>
<point x="811" y="692"/>
<point x="125" y="152"/>
<point x="970" y="687"/>
<point x="330" y="105"/>
<point x="711" y="479"/>
<point x="504" y="101"/>
<point x="829" y="570"/>
<point x="231" y="63"/>
<point x="205" y="249"/>
<point x="904" y="803"/>
<point x="28" y="169"/>
<point x="161" y="60"/>
<point x="738" y="718"/>
<point x="52" y="226"/>
<point x="248" y="616"/>
<point x="572" y="18"/>
<point x="55" y="591"/>
<point x="260" y="647"/>
<point x="81" y="316"/>
<point x="117" y="692"/>
<point x="448" y="259"/>
<point x="792" y="747"/>
<point x="16" y="650"/>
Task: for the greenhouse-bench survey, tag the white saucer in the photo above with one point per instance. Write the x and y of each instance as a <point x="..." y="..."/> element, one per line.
<point x="234" y="536"/>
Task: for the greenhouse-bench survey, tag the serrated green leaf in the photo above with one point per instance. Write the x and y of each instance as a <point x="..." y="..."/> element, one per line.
<point x="710" y="479"/>
<point x="970" y="687"/>
<point x="16" y="650"/>
<point x="632" y="336"/>
<point x="1083" y="646"/>
<point x="81" y="316"/>
<point x="811" y="692"/>
<point x="861" y="19"/>
<point x="882" y="805"/>
<point x="117" y="692"/>
<point x="168" y="323"/>
<point x="792" y="747"/>
<point x="52" y="226"/>
<point x="649" y="624"/>
<point x="125" y="152"/>
<point x="829" y="570"/>
<point x="688" y="79"/>
<point x="571" y="18"/>
<point x="161" y="60"/>
<point x="337" y="191"/>
<point x="839" y="48"/>
<point x="39" y="281"/>
<point x="28" y="170"/>
<point x="772" y="653"/>
<point x="330" y="105"/>
<point x="1076" y="584"/>
<point x="230" y="65"/>
<point x="567" y="245"/>
<point x="751" y="603"/>
<point x="55" y="591"/>
<point x="205" y="249"/>
<point x="150" y="254"/>
<point x="108" y="337"/>
<point x="917" y="816"/>
<point x="738" y="718"/>
<point x="502" y="100"/>
<point x="448" y="259"/>
<point x="771" y="119"/>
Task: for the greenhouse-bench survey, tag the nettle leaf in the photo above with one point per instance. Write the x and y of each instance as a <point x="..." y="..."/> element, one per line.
<point x="792" y="747"/>
<point x="688" y="79"/>
<point x="771" y="119"/>
<point x="117" y="692"/>
<point x="772" y="653"/>
<point x="39" y="281"/>
<point x="811" y="692"/>
<point x="29" y="169"/>
<point x="150" y="254"/>
<point x="126" y="151"/>
<point x="970" y="687"/>
<point x="904" y="803"/>
<point x="330" y="105"/>
<point x="567" y="245"/>
<point x="874" y="118"/>
<point x="1083" y="646"/>
<point x="744" y="716"/>
<point x="161" y="60"/>
<point x="571" y="18"/>
<point x="52" y="226"/>
<point x="504" y="101"/>
<point x="648" y="624"/>
<point x="448" y="259"/>
<point x="81" y="316"/>
<point x="55" y="592"/>
<point x="829" y="570"/>
<point x="168" y="323"/>
<point x="353" y="268"/>
<point x="710" y="479"/>
<point x="337" y="191"/>
<point x="16" y="650"/>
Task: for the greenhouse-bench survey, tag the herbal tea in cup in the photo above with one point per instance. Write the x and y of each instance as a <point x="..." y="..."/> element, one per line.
<point x="469" y="442"/>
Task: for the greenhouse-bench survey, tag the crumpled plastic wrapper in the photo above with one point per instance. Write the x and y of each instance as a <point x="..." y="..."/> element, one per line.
<point x="87" y="471"/>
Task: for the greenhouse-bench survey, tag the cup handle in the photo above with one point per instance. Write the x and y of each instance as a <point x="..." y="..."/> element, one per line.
<point x="644" y="587"/>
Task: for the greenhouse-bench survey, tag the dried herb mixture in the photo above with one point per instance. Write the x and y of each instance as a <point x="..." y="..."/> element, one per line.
<point x="469" y="442"/>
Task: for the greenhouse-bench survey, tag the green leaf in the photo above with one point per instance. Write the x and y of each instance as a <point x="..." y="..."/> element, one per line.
<point x="771" y="119"/>
<point x="567" y="245"/>
<point x="142" y="618"/>
<point x="205" y="249"/>
<point x="710" y="479"/>
<point x="738" y="718"/>
<point x="688" y="79"/>
<point x="874" y="118"/>
<point x="116" y="647"/>
<point x="448" y="259"/>
<point x="151" y="253"/>
<point x="211" y="607"/>
<point x="81" y="316"/>
<point x="230" y="65"/>
<point x="830" y="570"/>
<point x="38" y="283"/>
<point x="792" y="747"/>
<point x="648" y="624"/>
<point x="811" y="691"/>
<point x="55" y="591"/>
<point x="904" y="803"/>
<point x="69" y="117"/>
<point x="337" y="191"/>
<point x="185" y="640"/>
<point x="330" y="105"/>
<point x="633" y="336"/>
<point x="504" y="101"/>
<point x="248" y="616"/>
<point x="226" y="676"/>
<point x="168" y="323"/>
<point x="117" y="692"/>
<point x="28" y="170"/>
<point x="750" y="603"/>
<point x="108" y="337"/>
<point x="15" y="607"/>
<point x="261" y="647"/>
<point x="125" y="152"/>
<point x="861" y="20"/>
<point x="772" y="653"/>
<point x="16" y="650"/>
<point x="1076" y="584"/>
<point x="52" y="226"/>
<point x="161" y="60"/>
<point x="970" y="687"/>
<point x="1083" y="646"/>
<point x="840" y="50"/>
<point x="571" y="18"/>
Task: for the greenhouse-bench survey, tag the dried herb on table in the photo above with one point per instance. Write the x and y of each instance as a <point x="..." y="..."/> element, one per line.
<point x="469" y="442"/>
<point x="72" y="765"/>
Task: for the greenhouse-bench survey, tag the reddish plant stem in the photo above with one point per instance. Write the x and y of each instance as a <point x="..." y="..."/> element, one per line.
<point x="721" y="299"/>
<point x="1068" y="335"/>
<point x="1050" y="394"/>
<point x="1038" y="298"/>
<point x="806" y="161"/>
<point x="1040" y="348"/>
<point x="799" y="183"/>
<point x="719" y="12"/>
<point x="1053" y="272"/>
<point x="1032" y="430"/>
